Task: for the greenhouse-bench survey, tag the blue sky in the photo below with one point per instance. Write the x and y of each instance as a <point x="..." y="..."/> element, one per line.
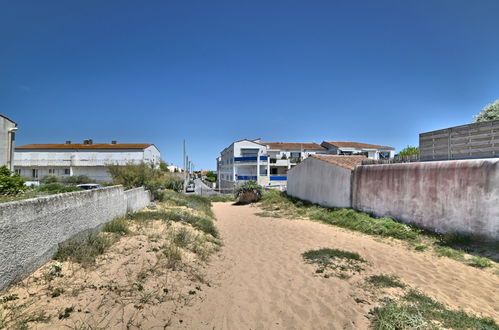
<point x="212" y="72"/>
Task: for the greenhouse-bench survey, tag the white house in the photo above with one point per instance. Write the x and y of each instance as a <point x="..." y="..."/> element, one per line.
<point x="265" y="162"/>
<point x="372" y="151"/>
<point x="34" y="161"/>
<point x="7" y="138"/>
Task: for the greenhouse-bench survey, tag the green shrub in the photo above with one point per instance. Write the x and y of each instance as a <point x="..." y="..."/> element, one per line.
<point x="10" y="183"/>
<point x="55" y="188"/>
<point x="76" y="179"/>
<point x="48" y="179"/>
<point x="194" y="202"/>
<point x="146" y="175"/>
<point x="248" y="192"/>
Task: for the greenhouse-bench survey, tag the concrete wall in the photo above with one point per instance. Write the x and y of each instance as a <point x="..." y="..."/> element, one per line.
<point x="30" y="230"/>
<point x="444" y="196"/>
<point x="136" y="199"/>
<point x="321" y="183"/>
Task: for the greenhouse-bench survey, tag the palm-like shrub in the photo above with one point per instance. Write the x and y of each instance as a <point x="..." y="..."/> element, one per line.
<point x="248" y="192"/>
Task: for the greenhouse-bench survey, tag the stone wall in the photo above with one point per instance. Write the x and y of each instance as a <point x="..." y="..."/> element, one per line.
<point x="445" y="196"/>
<point x="32" y="229"/>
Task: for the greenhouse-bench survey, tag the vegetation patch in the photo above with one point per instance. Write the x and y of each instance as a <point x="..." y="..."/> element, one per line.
<point x="194" y="202"/>
<point x="335" y="262"/>
<point x="418" y="311"/>
<point x="84" y="250"/>
<point x="248" y="192"/>
<point x="204" y="224"/>
<point x="384" y="281"/>
<point x="118" y="226"/>
<point x="480" y="262"/>
<point x="221" y="198"/>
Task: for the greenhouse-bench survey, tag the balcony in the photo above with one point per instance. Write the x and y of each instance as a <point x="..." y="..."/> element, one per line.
<point x="245" y="178"/>
<point x="278" y="178"/>
<point x="249" y="159"/>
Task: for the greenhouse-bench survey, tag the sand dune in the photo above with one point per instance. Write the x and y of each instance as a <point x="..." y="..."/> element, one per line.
<point x="261" y="282"/>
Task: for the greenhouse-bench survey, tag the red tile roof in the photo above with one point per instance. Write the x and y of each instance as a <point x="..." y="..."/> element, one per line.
<point x="348" y="162"/>
<point x="347" y="144"/>
<point x="86" y="146"/>
<point x="293" y="145"/>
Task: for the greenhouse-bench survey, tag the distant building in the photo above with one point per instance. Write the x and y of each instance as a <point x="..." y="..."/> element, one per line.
<point x="7" y="137"/>
<point x="174" y="168"/>
<point x="34" y="161"/>
<point x="372" y="151"/>
<point x="265" y="162"/>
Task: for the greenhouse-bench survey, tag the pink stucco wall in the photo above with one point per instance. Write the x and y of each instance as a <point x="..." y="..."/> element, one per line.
<point x="446" y="196"/>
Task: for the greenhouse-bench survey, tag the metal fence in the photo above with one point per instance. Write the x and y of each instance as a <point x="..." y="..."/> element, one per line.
<point x="477" y="140"/>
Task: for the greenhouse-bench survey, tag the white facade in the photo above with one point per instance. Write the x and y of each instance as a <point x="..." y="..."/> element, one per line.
<point x="7" y="138"/>
<point x="62" y="160"/>
<point x="265" y="162"/>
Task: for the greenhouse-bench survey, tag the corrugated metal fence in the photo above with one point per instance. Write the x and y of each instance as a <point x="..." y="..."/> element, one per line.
<point x="477" y="140"/>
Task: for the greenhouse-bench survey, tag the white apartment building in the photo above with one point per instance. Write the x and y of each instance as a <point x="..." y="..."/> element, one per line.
<point x="372" y="151"/>
<point x="7" y="137"/>
<point x="265" y="162"/>
<point x="34" y="161"/>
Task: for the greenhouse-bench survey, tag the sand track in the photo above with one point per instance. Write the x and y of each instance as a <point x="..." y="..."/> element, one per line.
<point x="261" y="282"/>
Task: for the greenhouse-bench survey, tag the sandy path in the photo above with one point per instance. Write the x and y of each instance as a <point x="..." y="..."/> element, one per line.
<point x="261" y="282"/>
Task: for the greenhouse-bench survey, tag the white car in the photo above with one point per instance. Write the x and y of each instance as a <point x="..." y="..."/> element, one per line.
<point x="190" y="188"/>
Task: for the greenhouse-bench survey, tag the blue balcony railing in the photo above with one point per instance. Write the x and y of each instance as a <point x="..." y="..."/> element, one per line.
<point x="278" y="178"/>
<point x="249" y="159"/>
<point x="245" y="178"/>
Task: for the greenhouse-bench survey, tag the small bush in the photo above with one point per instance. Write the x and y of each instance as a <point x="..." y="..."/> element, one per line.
<point x="10" y="183"/>
<point x="248" y="192"/>
<point x="76" y="179"/>
<point x="48" y="179"/>
<point x="118" y="226"/>
<point x="453" y="239"/>
<point x="182" y="237"/>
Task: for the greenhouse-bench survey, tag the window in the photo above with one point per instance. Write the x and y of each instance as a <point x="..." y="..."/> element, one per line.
<point x="67" y="171"/>
<point x="35" y="173"/>
<point x="51" y="170"/>
<point x="295" y="154"/>
<point x="273" y="171"/>
<point x="384" y="154"/>
<point x="17" y="171"/>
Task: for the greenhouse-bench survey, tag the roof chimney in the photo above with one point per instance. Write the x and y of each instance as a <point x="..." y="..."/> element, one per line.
<point x="68" y="142"/>
<point x="88" y="142"/>
<point x="114" y="142"/>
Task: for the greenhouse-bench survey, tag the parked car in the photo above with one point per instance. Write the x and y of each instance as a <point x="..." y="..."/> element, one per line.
<point x="190" y="188"/>
<point x="88" y="186"/>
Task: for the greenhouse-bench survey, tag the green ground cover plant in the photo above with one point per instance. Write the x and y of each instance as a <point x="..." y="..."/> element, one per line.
<point x="335" y="262"/>
<point x="385" y="281"/>
<point x="415" y="310"/>
<point x="194" y="202"/>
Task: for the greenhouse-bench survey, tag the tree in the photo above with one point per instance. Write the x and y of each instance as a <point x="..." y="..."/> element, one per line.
<point x="409" y="151"/>
<point x="163" y="166"/>
<point x="490" y="112"/>
<point x="10" y="184"/>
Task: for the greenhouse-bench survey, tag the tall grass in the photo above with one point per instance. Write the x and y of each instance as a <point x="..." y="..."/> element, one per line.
<point x="84" y="250"/>
<point x="194" y="202"/>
